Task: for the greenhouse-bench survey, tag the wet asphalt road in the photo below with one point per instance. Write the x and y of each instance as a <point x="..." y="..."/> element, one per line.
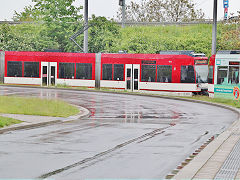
<point x="126" y="136"/>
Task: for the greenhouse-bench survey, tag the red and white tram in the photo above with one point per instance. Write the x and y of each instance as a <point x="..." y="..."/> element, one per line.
<point x="223" y="78"/>
<point x="165" y="74"/>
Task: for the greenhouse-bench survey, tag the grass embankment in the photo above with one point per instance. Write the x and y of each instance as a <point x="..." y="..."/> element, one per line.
<point x="33" y="106"/>
<point x="152" y="39"/>
<point x="229" y="102"/>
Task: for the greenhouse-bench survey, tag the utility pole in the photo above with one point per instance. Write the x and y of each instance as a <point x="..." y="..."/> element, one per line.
<point x="2" y="66"/>
<point x="123" y="4"/>
<point x="85" y="46"/>
<point x="214" y="28"/>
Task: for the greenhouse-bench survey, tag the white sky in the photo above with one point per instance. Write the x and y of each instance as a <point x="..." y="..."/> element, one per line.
<point x="108" y="8"/>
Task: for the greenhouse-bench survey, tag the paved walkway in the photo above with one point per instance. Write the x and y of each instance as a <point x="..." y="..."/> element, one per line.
<point x="29" y="121"/>
<point x="218" y="160"/>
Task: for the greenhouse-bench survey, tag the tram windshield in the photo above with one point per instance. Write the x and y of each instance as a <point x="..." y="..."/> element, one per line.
<point x="233" y="76"/>
<point x="201" y="73"/>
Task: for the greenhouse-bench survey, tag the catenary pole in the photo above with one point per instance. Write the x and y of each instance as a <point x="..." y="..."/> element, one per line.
<point x="97" y="70"/>
<point x="2" y="66"/>
<point x="123" y="13"/>
<point x="85" y="46"/>
<point x="214" y="28"/>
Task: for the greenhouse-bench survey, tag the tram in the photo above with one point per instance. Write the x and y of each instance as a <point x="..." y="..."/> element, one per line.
<point x="180" y="74"/>
<point x="223" y="76"/>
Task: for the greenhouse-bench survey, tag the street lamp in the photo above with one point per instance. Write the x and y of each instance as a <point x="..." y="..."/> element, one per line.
<point x="85" y="44"/>
<point x="123" y="4"/>
<point x="214" y="28"/>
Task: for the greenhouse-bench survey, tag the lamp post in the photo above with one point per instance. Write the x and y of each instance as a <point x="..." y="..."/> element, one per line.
<point x="123" y="4"/>
<point x="214" y="28"/>
<point x="85" y="46"/>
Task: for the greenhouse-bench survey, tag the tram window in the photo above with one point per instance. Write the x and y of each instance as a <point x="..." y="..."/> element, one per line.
<point x="14" y="69"/>
<point x="201" y="73"/>
<point x="164" y="74"/>
<point x="66" y="70"/>
<point x="187" y="74"/>
<point x="222" y="75"/>
<point x="135" y="73"/>
<point x="31" y="69"/>
<point x="210" y="75"/>
<point x="233" y="77"/>
<point x="148" y="73"/>
<point x="84" y="71"/>
<point x="128" y="72"/>
<point x="118" y="72"/>
<point x="107" y="72"/>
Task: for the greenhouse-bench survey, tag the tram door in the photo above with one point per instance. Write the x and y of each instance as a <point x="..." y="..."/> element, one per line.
<point x="49" y="73"/>
<point x="132" y="77"/>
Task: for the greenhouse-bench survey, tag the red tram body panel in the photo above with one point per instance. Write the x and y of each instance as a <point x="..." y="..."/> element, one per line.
<point x="211" y="76"/>
<point x="43" y="59"/>
<point x="143" y="62"/>
<point x="133" y="72"/>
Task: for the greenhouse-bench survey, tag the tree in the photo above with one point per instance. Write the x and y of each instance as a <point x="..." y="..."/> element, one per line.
<point x="29" y="14"/>
<point x="60" y="17"/>
<point x="145" y="11"/>
<point x="58" y="10"/>
<point x="103" y="34"/>
<point x="24" y="37"/>
<point x="50" y="11"/>
<point x="181" y="10"/>
<point x="162" y="11"/>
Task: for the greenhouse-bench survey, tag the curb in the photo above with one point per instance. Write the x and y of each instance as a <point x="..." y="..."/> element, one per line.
<point x="190" y="170"/>
<point x="29" y="126"/>
<point x="83" y="113"/>
<point x="193" y="167"/>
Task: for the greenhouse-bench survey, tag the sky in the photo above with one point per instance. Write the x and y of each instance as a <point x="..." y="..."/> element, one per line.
<point x="109" y="8"/>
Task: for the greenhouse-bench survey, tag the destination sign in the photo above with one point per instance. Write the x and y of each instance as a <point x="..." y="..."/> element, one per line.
<point x="234" y="63"/>
<point x="148" y="62"/>
<point x="202" y="61"/>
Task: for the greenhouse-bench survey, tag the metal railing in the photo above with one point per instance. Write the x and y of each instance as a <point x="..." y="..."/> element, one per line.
<point x="165" y="23"/>
<point x="206" y="21"/>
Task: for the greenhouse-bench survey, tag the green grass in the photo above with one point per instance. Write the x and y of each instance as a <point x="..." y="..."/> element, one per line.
<point x="4" y="121"/>
<point x="36" y="106"/>
<point x="229" y="102"/>
<point x="61" y="86"/>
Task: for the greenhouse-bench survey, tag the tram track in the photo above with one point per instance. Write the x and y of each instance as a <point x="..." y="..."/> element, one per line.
<point x="139" y="139"/>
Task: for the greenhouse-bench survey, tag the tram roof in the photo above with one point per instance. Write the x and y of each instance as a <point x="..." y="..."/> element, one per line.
<point x="229" y="52"/>
<point x="116" y="55"/>
<point x="229" y="55"/>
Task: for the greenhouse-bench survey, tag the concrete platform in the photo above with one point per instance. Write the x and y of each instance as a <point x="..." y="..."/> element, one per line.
<point x="219" y="160"/>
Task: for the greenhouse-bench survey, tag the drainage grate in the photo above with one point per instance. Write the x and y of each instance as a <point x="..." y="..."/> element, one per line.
<point x="231" y="165"/>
